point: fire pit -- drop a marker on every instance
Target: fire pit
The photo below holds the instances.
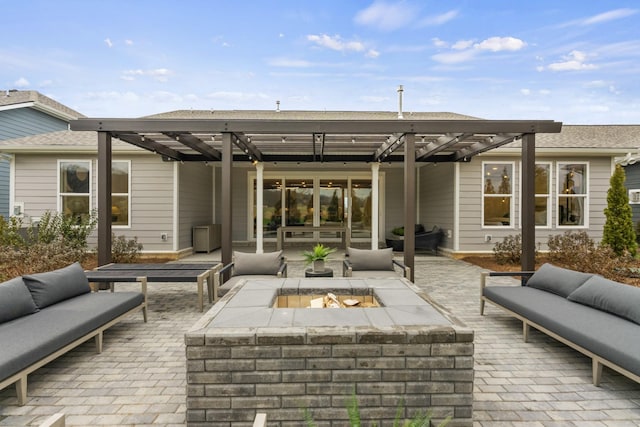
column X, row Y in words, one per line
column 259, row 349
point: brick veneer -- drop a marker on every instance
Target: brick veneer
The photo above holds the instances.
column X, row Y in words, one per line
column 234, row 372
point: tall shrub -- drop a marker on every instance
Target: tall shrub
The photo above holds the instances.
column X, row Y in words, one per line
column 618, row 230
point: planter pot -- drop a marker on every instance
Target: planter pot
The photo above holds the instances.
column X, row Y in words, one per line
column 318, row 266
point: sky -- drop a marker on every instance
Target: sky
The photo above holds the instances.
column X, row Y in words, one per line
column 573, row 61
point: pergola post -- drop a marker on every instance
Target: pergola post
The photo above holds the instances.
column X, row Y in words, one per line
column 227, row 226
column 528, row 261
column 104, row 192
column 409, row 202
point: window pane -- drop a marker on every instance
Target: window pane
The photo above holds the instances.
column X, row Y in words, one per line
column 74, row 177
column 361, row 208
column 120, row 210
column 542, row 179
column 497, row 210
column 76, row 206
column 272, row 207
column 541, row 210
column 498, row 178
column 572, row 179
column 120, row 177
column 299, row 204
column 332, row 199
column 571, row 210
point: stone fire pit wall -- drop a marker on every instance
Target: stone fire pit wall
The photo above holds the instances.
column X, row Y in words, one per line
column 244, row 356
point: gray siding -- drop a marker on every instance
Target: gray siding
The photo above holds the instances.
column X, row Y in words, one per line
column 436, row 198
column 472, row 232
column 15, row 124
column 195, row 200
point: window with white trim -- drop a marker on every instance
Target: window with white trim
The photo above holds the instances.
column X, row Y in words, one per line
column 497, row 194
column 543, row 194
column 120, row 189
column 572, row 194
column 74, row 190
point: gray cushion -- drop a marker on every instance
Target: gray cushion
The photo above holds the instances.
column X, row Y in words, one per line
column 370, row 259
column 604, row 334
column 612, row 297
column 36, row 336
column 15, row 300
column 57, row 285
column 558, row 280
column 249, row 263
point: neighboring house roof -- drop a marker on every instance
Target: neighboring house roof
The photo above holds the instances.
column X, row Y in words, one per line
column 60, row 141
column 12, row 99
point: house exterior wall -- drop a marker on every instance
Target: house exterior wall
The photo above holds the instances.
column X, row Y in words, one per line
column 436, row 199
column 195, row 200
column 471, row 230
column 17, row 123
column 394, row 200
column 632, row 182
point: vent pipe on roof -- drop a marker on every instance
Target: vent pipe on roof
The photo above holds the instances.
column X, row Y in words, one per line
column 400, row 90
column 277, row 106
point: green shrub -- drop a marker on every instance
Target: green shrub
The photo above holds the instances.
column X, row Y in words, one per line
column 509, row 251
column 123, row 250
column 74, row 231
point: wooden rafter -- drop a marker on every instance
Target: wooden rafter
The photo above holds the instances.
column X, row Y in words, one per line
column 196, row 144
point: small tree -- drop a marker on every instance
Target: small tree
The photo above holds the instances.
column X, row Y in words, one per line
column 618, row 230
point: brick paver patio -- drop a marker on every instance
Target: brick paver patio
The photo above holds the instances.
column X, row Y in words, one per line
column 139, row 379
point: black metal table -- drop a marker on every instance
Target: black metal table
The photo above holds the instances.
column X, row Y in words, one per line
column 167, row 272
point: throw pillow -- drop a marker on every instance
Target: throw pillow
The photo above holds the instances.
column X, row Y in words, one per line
column 57, row 285
column 15, row 300
column 558, row 280
column 612, row 297
column 370, row 259
column 248, row 263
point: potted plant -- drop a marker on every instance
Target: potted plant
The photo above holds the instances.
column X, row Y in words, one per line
column 317, row 256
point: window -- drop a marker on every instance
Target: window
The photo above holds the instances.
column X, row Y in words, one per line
column 120, row 193
column 74, row 187
column 543, row 192
column 572, row 194
column 497, row 194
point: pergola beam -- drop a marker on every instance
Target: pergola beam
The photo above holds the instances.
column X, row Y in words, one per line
column 150, row 145
column 196, row 144
column 393, row 143
column 490, row 143
column 440, row 144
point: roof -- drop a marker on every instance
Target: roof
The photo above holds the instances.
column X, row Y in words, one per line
column 315, row 136
column 58, row 141
column 10, row 99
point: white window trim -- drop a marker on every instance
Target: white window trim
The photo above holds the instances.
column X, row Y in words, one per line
column 512, row 202
column 585, row 196
column 128, row 194
column 60, row 194
column 550, row 209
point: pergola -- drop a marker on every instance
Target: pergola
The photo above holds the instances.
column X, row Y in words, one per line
column 409, row 141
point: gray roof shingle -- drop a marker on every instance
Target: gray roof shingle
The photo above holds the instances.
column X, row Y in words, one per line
column 16, row 97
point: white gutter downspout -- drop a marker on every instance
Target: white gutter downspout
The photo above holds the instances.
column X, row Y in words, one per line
column 375, row 204
column 259, row 207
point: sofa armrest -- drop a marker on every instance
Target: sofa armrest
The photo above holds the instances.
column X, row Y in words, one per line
column 406, row 271
column 282, row 271
column 347, row 270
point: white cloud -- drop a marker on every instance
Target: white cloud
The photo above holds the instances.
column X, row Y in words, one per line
column 128, row 42
column 372, row 53
column 386, row 16
column 21, row 82
column 336, row 43
column 465, row 50
column 108, row 42
column 159, row 74
column 574, row 61
column 525, row 92
column 439, row 43
column 544, row 92
column 609, row 16
column 439, row 19
column 497, row 44
column 462, row 44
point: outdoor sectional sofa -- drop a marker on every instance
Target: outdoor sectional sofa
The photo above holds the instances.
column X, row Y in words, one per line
column 268, row 265
column 45, row 315
column 593, row 315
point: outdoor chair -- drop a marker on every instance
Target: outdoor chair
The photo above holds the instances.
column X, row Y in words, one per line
column 430, row 240
column 372, row 264
column 245, row 265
